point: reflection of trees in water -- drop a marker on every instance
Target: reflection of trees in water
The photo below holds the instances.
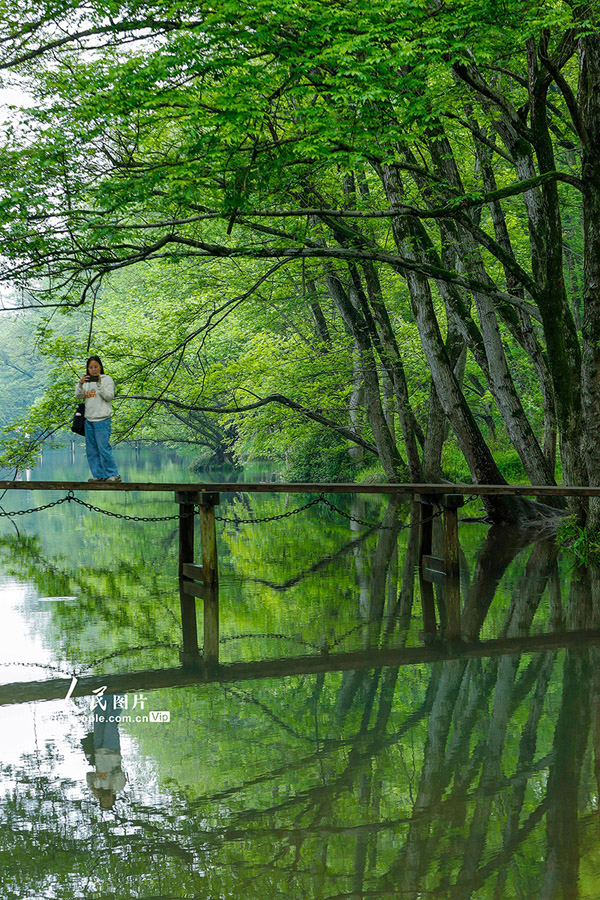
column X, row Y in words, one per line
column 464, row 779
column 570, row 742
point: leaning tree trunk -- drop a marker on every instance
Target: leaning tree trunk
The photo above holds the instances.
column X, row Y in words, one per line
column 479, row 458
column 589, row 98
column 499, row 377
column 564, row 353
column 519, row 321
column 356, row 402
column 545, row 233
column 437, row 422
column 392, row 360
column 393, row 465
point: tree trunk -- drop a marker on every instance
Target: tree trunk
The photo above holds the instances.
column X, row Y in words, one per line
column 589, row 96
column 476, row 452
column 393, row 465
column 517, row 320
column 437, row 423
column 545, row 234
column 317, row 313
column 392, row 360
column 499, row 377
column 356, row 402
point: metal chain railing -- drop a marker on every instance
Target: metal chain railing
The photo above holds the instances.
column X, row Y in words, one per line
column 285, row 515
column 24, row 512
column 71, row 498
column 352, row 518
column 115, row 515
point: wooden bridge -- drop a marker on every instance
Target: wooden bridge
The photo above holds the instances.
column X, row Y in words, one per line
column 200, row 581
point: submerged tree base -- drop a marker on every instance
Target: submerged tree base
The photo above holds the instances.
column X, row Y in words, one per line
column 522, row 512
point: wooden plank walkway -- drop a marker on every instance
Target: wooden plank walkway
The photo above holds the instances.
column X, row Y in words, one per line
column 295, row 487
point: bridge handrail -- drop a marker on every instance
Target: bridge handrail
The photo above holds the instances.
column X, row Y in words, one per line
column 295, row 487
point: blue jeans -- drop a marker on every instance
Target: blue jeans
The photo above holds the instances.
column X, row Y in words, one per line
column 106, row 734
column 97, row 447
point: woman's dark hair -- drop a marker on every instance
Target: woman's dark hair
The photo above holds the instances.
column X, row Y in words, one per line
column 94, row 359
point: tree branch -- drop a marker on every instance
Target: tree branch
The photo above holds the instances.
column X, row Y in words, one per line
column 247, row 407
column 114, row 28
column 399, row 263
column 471, row 76
column 459, row 203
column 569, row 98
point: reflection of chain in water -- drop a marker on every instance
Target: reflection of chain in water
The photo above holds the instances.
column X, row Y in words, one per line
column 353, row 630
column 325, row 647
column 126, row 651
column 33, row 665
column 318, row 648
column 176, row 647
column 278, row 637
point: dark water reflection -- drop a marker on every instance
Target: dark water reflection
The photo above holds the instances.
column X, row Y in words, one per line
column 474, row 777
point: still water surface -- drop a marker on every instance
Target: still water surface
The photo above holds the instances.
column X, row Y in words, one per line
column 467, row 778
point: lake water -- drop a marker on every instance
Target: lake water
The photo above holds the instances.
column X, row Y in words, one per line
column 467, row 778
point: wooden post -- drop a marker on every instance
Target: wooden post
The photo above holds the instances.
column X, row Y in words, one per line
column 426, row 588
column 451, row 504
column 210, row 571
column 189, row 628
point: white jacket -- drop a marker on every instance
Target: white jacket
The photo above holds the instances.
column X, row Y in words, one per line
column 97, row 396
column 108, row 774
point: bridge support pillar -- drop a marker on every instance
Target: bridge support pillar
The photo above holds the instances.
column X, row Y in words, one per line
column 210, row 571
column 189, row 627
column 425, row 585
column 451, row 503
column 198, row 581
column 444, row 571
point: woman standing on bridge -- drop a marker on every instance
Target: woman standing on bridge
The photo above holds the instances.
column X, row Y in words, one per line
column 98, row 390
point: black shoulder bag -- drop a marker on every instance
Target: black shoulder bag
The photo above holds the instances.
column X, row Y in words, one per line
column 78, row 426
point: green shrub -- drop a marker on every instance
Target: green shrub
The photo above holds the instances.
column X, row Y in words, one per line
column 323, row 457
column 577, row 540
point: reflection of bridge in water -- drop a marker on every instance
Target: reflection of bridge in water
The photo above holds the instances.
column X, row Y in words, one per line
column 282, row 667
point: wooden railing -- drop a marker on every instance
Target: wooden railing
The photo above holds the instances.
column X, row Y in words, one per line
column 299, row 487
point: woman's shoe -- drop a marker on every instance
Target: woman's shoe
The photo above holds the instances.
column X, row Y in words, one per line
column 96, row 479
column 115, row 479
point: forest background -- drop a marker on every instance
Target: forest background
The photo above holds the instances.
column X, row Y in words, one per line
column 360, row 240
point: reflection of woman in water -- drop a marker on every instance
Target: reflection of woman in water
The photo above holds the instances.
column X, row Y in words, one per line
column 108, row 778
